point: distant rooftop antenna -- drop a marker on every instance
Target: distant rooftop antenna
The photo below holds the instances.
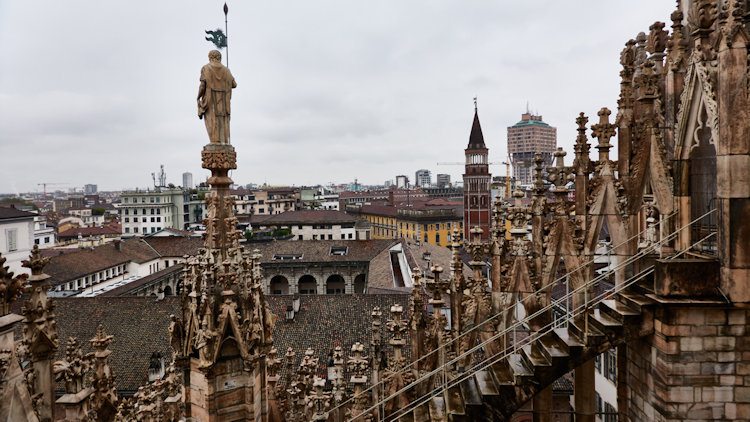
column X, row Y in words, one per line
column 475, row 103
column 527, row 108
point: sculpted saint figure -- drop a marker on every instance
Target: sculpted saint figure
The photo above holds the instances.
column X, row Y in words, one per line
column 214, row 96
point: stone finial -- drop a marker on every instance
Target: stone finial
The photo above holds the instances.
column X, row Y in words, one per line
column 539, row 188
column 36, row 261
column 582, row 162
column 732, row 18
column 627, row 59
column 657, row 38
column 319, row 400
column 273, row 363
column 11, row 287
column 702, row 16
column 640, row 50
column 603, row 131
column 647, row 82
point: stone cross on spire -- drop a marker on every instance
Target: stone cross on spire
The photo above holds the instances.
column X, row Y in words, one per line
column 603, row 131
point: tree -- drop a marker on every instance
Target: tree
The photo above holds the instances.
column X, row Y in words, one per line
column 98, row 211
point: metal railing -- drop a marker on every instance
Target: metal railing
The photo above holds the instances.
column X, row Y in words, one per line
column 590, row 301
column 414, row 365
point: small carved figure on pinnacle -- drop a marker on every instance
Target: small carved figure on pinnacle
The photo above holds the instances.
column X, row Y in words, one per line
column 214, row 98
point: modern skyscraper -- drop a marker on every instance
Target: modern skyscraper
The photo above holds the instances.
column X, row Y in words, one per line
column 402, row 182
column 525, row 139
column 187, row 180
column 477, row 197
column 423, row 178
column 90, row 189
column 443, row 180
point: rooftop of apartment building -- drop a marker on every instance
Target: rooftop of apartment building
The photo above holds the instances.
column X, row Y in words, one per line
column 308, row 217
column 528, row 119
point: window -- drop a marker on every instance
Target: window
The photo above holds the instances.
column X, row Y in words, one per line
column 610, row 414
column 338, row 250
column 135, row 229
column 127, row 211
column 153, row 211
column 12, row 238
column 437, row 238
column 153, row 229
column 158, row 219
column 425, row 238
column 135, row 211
column 287, row 257
column 127, row 229
column 127, row 220
column 330, row 237
column 350, row 235
column 153, row 220
column 610, row 365
column 36, row 241
column 343, row 236
column 299, row 237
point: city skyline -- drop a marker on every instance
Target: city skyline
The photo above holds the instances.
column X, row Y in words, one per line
column 105, row 93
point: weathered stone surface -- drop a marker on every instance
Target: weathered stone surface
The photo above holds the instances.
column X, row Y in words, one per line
column 686, row 278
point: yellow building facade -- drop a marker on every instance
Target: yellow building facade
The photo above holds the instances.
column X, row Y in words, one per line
column 434, row 226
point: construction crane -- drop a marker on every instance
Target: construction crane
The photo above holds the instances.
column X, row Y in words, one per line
column 44, row 185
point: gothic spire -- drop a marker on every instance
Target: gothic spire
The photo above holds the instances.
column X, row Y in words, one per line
column 476, row 139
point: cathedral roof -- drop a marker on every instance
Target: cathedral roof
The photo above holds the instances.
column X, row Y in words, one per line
column 476, row 139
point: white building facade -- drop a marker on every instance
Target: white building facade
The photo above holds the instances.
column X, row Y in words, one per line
column 16, row 238
column 146, row 212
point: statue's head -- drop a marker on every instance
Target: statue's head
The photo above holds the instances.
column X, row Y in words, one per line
column 214, row 56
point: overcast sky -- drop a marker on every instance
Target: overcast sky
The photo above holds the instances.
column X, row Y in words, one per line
column 328, row 91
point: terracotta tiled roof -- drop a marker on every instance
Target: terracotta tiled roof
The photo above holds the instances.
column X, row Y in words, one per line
column 176, row 232
column 309, row 217
column 380, row 272
column 127, row 288
column 69, row 266
column 325, row 321
column 384, row 210
column 88, row 231
column 139, row 325
column 12, row 212
column 175, row 246
column 319, row 250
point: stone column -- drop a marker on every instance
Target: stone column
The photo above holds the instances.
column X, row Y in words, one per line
column 543, row 406
column 584, row 397
column 733, row 155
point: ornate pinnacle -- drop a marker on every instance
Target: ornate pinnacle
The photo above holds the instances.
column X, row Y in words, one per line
column 11, row 287
column 657, row 38
column 36, row 261
column 559, row 175
column 538, row 175
column 603, row 131
column 581, row 140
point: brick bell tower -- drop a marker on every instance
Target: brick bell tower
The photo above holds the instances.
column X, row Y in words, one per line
column 477, row 178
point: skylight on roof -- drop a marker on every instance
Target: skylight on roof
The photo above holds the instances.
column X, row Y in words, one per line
column 287, row 257
column 339, row 250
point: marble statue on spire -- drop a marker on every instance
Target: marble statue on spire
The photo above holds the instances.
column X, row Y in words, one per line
column 214, row 97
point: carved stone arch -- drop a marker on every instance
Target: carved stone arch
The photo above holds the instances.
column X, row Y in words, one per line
column 698, row 110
